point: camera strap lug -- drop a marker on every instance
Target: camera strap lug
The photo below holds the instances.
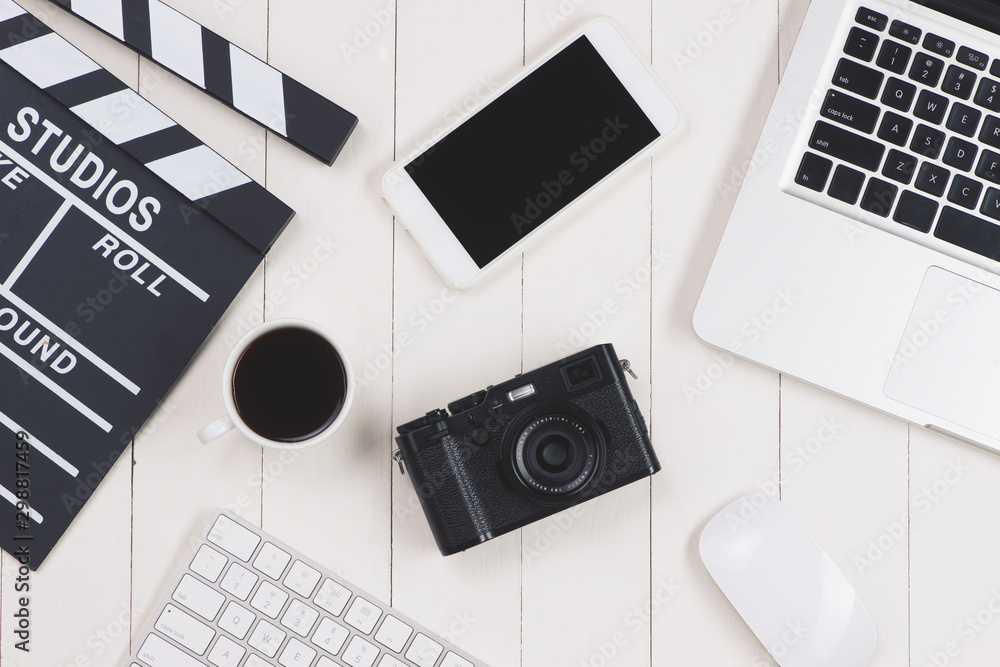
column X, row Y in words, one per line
column 627, row 367
column 397, row 456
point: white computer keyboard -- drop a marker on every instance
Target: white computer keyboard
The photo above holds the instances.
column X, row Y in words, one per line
column 246, row 600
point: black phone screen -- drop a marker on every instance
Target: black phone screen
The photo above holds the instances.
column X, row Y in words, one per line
column 524, row 157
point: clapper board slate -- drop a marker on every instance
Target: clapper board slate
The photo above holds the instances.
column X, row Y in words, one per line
column 110, row 281
column 240, row 80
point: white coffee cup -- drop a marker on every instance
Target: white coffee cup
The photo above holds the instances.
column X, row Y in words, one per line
column 233, row 419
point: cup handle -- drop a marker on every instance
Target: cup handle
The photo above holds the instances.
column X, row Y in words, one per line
column 215, row 429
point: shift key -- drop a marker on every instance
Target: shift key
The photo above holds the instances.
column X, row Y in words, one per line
column 850, row 111
column 846, row 146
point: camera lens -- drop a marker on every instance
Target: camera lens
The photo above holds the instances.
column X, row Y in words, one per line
column 555, row 452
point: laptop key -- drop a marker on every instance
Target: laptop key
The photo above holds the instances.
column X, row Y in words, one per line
column 927, row 141
column 905, row 32
column 930, row 107
column 857, row 78
column 846, row 184
column 850, row 111
column 861, row 44
column 926, row 69
column 895, row 128
column 894, row 56
column 959, row 82
column 932, row 179
column 988, row 94
column 969, row 231
column 972, row 58
column 846, row 146
column 989, row 166
column 871, row 19
column 813, row 172
column 878, row 197
column 939, row 45
column 898, row 94
column 899, row 166
column 915, row 211
column 965, row 192
column 990, row 134
column 960, row 154
column 991, row 204
column 963, row 119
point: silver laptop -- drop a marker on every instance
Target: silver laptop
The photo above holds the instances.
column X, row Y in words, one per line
column 862, row 252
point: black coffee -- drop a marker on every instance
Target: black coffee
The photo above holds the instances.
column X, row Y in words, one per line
column 289, row 385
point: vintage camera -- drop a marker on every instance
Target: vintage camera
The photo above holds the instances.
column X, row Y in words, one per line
column 522, row 450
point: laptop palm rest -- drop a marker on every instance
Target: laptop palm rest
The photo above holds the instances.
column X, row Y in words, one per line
column 948, row 360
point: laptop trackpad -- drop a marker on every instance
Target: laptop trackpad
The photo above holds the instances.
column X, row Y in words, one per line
column 948, row 361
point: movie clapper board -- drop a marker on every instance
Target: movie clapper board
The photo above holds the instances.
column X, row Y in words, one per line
column 240, row 80
column 110, row 277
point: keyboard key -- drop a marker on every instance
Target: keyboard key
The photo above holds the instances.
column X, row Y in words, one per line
column 226, row 653
column 995, row 68
column 939, row 45
column 899, row 166
column 233, row 538
column 959, row 82
column 271, row 560
column 389, row 661
column 393, row 634
column 299, row 618
column 269, row 599
column 898, row 94
column 361, row 653
column 963, row 120
column 846, row 184
column 266, row 638
column 452, row 660
column 861, row 44
column 989, row 166
column 198, row 597
column 424, row 651
column 330, row 636
column 857, row 78
column 333, row 597
column 990, row 134
column 932, row 179
column 988, row 94
column 302, row 579
column 895, row 128
column 926, row 69
column 237, row 620
column 850, row 111
column 873, row 20
column 813, row 172
column 208, row 563
column 972, row 58
column 960, row 154
column 894, row 56
column 927, row 141
column 991, row 204
column 363, row 615
column 185, row 629
column 257, row 661
column 970, row 232
column 905, row 32
column 965, row 192
column 915, row 211
column 846, row 146
column 157, row 651
column 297, row 654
column 239, row 581
column 878, row 197
column 930, row 107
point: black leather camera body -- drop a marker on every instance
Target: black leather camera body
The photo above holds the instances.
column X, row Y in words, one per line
column 525, row 449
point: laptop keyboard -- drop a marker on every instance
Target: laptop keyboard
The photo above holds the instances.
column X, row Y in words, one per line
column 246, row 600
column 907, row 134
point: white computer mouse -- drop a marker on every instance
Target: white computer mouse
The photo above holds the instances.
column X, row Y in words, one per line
column 786, row 588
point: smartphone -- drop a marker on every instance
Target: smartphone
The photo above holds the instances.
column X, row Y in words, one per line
column 486, row 185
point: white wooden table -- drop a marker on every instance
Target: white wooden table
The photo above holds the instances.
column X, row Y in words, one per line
column 618, row 582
